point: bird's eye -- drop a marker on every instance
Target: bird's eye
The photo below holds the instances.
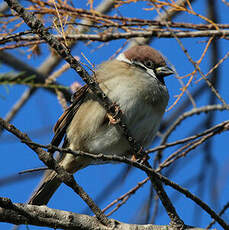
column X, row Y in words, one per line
column 149, row 64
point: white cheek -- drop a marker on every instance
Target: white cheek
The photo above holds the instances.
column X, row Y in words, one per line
column 122, row 57
column 151, row 73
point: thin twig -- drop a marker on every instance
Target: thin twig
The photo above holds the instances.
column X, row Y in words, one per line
column 226, row 206
column 190, row 113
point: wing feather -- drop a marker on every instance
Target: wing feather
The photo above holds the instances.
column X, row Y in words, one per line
column 66, row 118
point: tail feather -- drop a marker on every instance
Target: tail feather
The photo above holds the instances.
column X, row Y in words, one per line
column 45, row 189
column 50, row 183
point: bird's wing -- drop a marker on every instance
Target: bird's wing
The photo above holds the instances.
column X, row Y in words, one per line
column 66, row 118
column 51, row 182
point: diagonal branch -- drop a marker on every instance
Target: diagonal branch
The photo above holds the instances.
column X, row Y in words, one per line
column 63, row 175
column 47, row 66
column 195, row 111
column 38, row 28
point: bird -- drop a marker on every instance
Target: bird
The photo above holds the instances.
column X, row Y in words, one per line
column 134, row 80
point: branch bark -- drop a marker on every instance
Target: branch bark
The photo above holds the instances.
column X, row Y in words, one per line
column 106, row 36
column 16, row 213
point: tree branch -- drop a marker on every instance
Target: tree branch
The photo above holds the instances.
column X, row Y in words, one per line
column 69, row 180
column 16, row 213
column 107, row 36
column 62, row 174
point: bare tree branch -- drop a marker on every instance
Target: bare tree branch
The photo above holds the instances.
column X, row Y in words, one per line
column 105, row 37
column 43, row 216
column 63, row 175
column 69, row 180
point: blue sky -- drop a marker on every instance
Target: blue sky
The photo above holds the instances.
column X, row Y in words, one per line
column 41, row 112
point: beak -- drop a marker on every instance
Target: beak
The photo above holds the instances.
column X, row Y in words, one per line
column 164, row 71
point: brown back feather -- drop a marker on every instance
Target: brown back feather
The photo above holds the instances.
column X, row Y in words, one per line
column 66, row 118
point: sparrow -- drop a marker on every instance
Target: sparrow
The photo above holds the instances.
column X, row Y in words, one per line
column 135, row 82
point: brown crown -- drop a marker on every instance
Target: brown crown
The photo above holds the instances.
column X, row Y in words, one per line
column 143, row 52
